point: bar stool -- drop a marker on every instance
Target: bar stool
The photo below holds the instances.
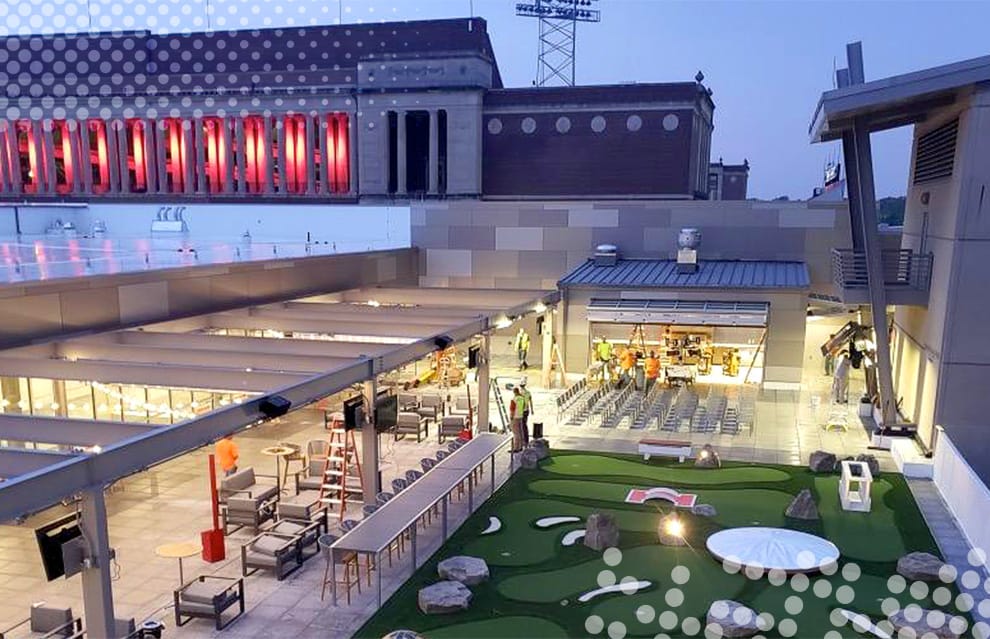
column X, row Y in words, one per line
column 347, row 526
column 427, row 463
column 348, row 562
column 399, row 484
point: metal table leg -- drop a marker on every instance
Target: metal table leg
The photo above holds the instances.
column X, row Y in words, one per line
column 444, row 508
column 493, row 473
column 378, row 569
column 333, row 577
column 470, row 494
column 413, row 541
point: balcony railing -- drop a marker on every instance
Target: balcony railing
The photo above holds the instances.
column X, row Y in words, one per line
column 906, row 275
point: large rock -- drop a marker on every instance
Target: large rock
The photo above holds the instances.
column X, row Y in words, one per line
column 919, row 566
column 529, row 458
column 601, row 532
column 803, row 506
column 871, row 462
column 821, row 461
column 671, row 529
column 707, row 458
column 921, row 625
column 403, row 634
column 444, row 597
column 733, row 618
column 704, row 510
column 469, row 571
column 541, row 446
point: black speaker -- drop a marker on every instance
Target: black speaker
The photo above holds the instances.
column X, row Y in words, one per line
column 443, row 341
column 274, row 406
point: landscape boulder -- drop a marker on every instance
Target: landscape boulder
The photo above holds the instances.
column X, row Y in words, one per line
column 935, row 627
column 469, row 571
column 670, row 531
column 403, row 634
column 919, row 566
column 444, row 597
column 704, row 510
column 871, row 462
column 821, row 461
column 529, row 458
column 541, row 446
column 707, row 458
column 601, row 532
column 733, row 618
column 803, row 506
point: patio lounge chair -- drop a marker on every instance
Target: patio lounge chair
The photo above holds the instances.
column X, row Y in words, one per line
column 310, row 477
column 208, row 597
column 246, row 502
column 280, row 553
column 411, row 424
column 46, row 621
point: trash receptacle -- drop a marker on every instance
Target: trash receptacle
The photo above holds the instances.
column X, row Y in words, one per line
column 538, row 430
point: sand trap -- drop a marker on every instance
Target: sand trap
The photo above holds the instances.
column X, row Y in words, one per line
column 494, row 525
column 549, row 522
column 627, row 588
column 572, row 537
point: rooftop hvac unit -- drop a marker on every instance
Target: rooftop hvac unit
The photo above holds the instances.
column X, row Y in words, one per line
column 606, row 255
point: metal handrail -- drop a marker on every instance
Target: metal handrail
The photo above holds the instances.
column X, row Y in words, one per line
column 901, row 268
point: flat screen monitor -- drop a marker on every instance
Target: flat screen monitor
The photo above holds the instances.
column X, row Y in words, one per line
column 386, row 411
column 473, row 353
column 353, row 412
column 51, row 538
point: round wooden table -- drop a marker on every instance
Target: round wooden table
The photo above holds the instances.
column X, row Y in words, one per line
column 278, row 452
column 179, row 550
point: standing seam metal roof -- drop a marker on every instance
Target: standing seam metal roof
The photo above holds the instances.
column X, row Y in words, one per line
column 735, row 274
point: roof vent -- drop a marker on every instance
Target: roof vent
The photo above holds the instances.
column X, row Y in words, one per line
column 606, row 255
column 688, row 241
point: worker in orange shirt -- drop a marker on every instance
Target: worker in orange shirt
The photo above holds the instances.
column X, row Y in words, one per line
column 627, row 362
column 227, row 455
column 652, row 370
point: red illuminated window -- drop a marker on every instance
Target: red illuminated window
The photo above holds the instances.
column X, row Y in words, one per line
column 294, row 171
column 97, row 157
column 176, row 156
column 63, row 141
column 30, row 160
column 255, row 158
column 214, row 153
column 137, row 160
column 334, row 161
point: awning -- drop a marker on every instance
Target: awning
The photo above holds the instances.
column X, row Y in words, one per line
column 679, row 312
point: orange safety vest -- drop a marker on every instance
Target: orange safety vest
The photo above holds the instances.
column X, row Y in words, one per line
column 227, row 454
column 652, row 367
column 628, row 359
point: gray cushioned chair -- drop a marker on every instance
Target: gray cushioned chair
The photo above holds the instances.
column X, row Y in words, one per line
column 279, row 553
column 209, row 597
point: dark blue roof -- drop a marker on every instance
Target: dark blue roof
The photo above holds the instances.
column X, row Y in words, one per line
column 729, row 274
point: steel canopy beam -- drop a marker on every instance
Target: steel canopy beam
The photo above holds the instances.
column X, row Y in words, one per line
column 259, row 345
column 20, row 461
column 273, row 321
column 41, row 487
column 67, row 432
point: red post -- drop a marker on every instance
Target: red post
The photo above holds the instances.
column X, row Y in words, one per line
column 213, row 542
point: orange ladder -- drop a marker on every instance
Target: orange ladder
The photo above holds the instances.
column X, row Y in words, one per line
column 342, row 478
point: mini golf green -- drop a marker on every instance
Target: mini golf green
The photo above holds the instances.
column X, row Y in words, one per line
column 536, row 581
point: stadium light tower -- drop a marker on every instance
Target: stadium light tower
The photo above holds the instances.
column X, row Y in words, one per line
column 558, row 31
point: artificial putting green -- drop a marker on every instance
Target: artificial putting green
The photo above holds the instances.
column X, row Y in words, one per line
column 535, row 581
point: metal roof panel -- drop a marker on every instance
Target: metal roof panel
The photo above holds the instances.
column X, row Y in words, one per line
column 726, row 274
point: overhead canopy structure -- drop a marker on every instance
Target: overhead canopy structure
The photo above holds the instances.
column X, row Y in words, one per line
column 679, row 312
column 711, row 274
column 185, row 354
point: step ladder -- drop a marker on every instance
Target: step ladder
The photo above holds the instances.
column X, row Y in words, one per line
column 503, row 414
column 342, row 479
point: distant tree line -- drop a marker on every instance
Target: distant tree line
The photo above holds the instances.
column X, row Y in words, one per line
column 890, row 210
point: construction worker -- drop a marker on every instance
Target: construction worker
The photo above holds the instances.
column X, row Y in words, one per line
column 603, row 349
column 840, row 380
column 829, row 359
column 732, row 369
column 227, row 455
column 516, row 408
column 626, row 363
column 652, row 370
column 522, row 348
column 527, row 410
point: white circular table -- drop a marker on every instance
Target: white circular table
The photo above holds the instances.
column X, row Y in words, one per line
column 773, row 549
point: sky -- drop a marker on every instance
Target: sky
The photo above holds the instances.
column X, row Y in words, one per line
column 767, row 62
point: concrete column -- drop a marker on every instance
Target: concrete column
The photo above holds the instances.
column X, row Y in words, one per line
column 15, row 158
column 269, row 169
column 400, row 150
column 369, row 444
column 10, row 389
column 5, row 179
column 484, row 385
column 161, row 133
column 97, row 588
column 310, row 156
column 85, row 161
column 352, row 154
column 189, row 167
column 113, row 155
column 228, row 156
column 434, row 157
column 546, row 353
column 199, row 142
column 125, row 176
column 59, row 397
column 72, row 129
column 283, row 182
column 325, row 159
column 48, row 144
column 150, row 161
column 241, row 155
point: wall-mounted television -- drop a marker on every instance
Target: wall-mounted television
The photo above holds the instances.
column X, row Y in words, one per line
column 353, row 412
column 386, row 411
column 58, row 541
